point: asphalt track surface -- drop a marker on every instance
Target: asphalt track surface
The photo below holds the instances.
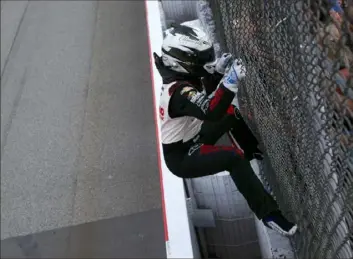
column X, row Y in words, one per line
column 79, row 171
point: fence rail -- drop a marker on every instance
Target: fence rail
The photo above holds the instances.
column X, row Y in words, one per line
column 298, row 99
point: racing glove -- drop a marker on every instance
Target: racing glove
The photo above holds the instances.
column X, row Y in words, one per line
column 223, row 62
column 233, row 75
column 219, row 65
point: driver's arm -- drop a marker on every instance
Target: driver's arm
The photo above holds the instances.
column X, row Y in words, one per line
column 187, row 101
column 211, row 82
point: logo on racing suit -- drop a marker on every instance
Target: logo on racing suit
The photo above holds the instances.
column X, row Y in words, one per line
column 187, row 89
column 204, row 106
column 189, row 92
column 200, row 100
column 192, row 96
column 232, row 77
column 161, row 113
column 195, row 97
column 194, row 148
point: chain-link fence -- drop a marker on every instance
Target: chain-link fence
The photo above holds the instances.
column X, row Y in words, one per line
column 298, row 99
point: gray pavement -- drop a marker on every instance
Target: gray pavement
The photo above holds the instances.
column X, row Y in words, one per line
column 134, row 236
column 77, row 130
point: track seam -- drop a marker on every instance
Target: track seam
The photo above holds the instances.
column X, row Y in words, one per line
column 14, row 39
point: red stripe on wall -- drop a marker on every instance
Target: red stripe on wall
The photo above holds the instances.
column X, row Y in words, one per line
column 157, row 132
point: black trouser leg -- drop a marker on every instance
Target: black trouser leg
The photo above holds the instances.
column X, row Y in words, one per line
column 212, row 131
column 204, row 160
column 244, row 137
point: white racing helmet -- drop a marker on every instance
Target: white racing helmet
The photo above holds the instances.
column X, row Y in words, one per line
column 187, row 49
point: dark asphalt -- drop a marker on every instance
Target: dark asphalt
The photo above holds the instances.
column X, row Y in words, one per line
column 79, row 172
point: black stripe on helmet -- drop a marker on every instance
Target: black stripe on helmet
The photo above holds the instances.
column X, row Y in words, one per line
column 183, row 30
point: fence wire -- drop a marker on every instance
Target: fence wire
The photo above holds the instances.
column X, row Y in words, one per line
column 298, row 99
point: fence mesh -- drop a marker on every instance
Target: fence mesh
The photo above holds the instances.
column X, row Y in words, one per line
column 298, row 99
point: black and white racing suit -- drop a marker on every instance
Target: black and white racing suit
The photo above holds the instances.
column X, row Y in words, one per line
column 191, row 123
